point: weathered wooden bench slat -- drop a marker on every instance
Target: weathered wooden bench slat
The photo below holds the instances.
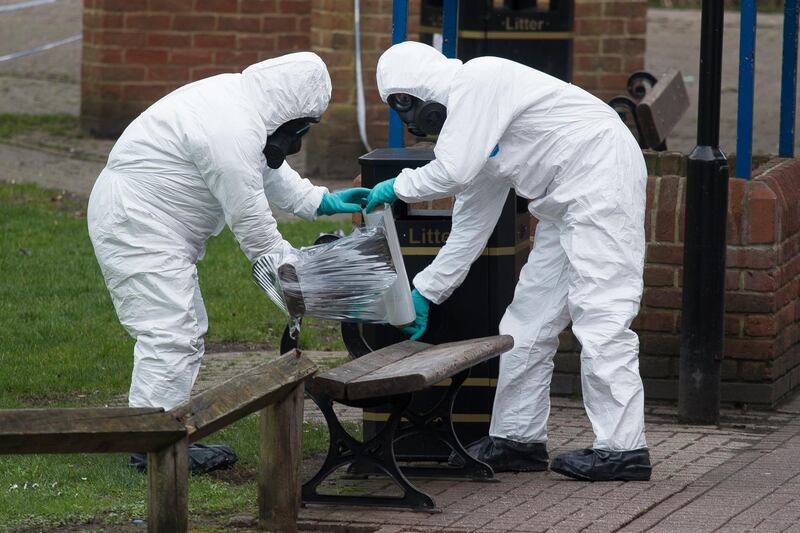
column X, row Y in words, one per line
column 426, row 367
column 244, row 394
column 87, row 430
column 333, row 383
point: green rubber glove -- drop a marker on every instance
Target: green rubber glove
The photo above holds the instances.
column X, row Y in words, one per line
column 421, row 306
column 383, row 193
column 344, row 201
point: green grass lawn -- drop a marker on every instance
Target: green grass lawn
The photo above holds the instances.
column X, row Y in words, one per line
column 12, row 124
column 62, row 345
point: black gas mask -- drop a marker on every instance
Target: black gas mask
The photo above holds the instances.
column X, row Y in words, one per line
column 286, row 140
column 422, row 118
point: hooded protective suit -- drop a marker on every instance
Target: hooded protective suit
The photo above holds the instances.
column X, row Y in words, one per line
column 188, row 165
column 571, row 155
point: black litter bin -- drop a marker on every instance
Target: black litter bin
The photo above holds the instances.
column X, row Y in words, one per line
column 537, row 33
column 474, row 309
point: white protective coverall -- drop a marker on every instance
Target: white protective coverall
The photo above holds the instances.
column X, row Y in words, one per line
column 188, row 165
column 584, row 174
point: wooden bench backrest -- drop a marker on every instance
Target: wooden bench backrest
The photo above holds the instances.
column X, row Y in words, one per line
column 124, row 429
column 100, row 430
column 662, row 107
column 406, row 367
column 243, row 394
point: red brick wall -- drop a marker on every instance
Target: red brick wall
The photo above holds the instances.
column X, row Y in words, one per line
column 337, row 144
column 762, row 346
column 135, row 51
column 334, row 142
column 609, row 44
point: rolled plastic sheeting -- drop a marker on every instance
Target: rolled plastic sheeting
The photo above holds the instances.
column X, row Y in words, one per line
column 399, row 307
column 353, row 279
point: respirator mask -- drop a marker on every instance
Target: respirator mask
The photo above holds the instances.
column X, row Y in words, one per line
column 286, row 140
column 422, row 118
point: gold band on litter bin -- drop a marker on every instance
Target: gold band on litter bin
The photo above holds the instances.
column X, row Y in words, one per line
column 505, row 35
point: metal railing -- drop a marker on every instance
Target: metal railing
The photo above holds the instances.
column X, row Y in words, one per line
column 788, row 79
column 747, row 51
column 399, row 34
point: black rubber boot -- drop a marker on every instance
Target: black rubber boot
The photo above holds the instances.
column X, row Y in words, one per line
column 203, row 458
column 604, row 465
column 505, row 455
column 138, row 461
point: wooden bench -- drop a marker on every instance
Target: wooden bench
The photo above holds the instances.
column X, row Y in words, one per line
column 655, row 105
column 275, row 388
column 390, row 377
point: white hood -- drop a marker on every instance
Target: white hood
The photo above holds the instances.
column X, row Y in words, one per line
column 288, row 87
column 416, row 69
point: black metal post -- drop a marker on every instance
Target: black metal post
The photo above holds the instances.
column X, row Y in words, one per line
column 702, row 321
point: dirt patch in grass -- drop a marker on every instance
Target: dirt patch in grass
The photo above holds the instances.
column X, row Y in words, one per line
column 226, row 347
column 69, row 203
column 234, row 476
column 56, row 399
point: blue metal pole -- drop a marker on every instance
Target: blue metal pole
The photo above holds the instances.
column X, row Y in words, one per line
column 399, row 32
column 788, row 79
column 744, row 117
column 450, row 28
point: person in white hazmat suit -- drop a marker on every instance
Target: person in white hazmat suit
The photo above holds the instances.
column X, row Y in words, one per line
column 208, row 154
column 505, row 126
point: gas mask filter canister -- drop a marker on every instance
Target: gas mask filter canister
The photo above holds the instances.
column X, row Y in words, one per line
column 286, row 140
column 423, row 118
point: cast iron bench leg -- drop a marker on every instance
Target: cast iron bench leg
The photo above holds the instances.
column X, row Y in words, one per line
column 437, row 423
column 377, row 452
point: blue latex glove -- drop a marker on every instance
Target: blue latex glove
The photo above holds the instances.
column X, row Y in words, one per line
column 421, row 306
column 383, row 193
column 344, row 201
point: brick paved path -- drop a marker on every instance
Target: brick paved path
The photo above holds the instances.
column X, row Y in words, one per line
column 757, row 490
column 684, row 457
column 741, row 476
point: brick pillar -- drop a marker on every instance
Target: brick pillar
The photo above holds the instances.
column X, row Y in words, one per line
column 761, row 362
column 336, row 145
column 136, row 51
column 609, row 44
column 333, row 145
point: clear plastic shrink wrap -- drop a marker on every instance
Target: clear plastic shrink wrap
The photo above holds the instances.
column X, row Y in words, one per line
column 354, row 278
